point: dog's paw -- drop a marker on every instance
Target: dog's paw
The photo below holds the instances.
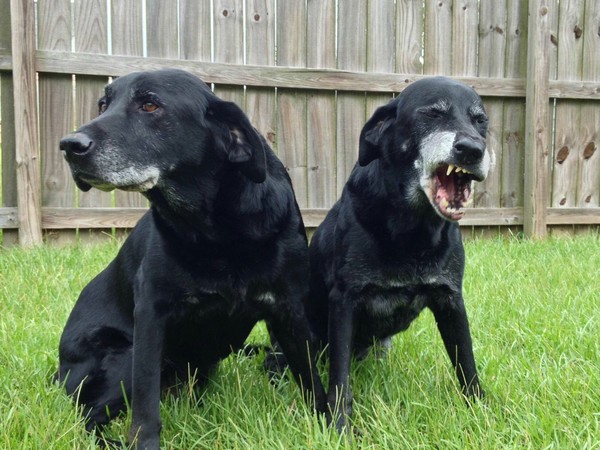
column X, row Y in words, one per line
column 473, row 393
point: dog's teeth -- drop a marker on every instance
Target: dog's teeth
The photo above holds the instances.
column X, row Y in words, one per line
column 444, row 203
column 458, row 169
column 450, row 169
column 467, row 171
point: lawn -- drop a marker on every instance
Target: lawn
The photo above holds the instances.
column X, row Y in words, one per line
column 534, row 309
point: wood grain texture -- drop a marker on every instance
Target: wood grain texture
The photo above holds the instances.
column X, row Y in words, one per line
column 90, row 35
column 568, row 140
column 26, row 126
column 127, row 38
column 291, row 104
column 351, row 108
column 229, row 44
column 536, row 122
column 321, row 108
column 55, row 104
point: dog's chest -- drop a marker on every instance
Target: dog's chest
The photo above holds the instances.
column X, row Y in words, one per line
column 390, row 304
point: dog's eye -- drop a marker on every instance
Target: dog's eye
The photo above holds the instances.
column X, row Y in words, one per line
column 149, row 106
column 102, row 107
column 481, row 119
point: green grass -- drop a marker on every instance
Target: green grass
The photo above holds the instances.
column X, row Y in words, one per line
column 535, row 315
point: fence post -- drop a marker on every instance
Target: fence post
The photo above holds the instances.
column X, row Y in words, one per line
column 536, row 121
column 26, row 123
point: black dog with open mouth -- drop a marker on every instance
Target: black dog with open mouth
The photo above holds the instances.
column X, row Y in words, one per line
column 391, row 246
column 222, row 246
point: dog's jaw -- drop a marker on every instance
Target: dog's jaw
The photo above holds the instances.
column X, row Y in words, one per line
column 447, row 185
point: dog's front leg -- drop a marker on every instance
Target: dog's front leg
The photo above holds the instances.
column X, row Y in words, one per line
column 453, row 325
column 341, row 335
column 148, row 341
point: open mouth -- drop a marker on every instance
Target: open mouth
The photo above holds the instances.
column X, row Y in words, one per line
column 452, row 190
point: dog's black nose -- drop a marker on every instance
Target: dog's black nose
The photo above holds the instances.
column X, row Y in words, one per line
column 76, row 144
column 469, row 150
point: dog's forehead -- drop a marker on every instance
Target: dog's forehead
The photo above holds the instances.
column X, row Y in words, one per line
column 167, row 81
column 441, row 92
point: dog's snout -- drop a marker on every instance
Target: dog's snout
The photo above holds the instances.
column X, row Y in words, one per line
column 76, row 144
column 469, row 150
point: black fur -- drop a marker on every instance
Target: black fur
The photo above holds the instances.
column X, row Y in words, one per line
column 222, row 246
column 387, row 249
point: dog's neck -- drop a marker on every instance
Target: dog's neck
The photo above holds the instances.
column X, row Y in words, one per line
column 226, row 207
column 380, row 203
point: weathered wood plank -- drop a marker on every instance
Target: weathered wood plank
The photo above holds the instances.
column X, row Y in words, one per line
column 568, row 140
column 162, row 28
column 55, row 103
column 7, row 119
column 122, row 218
column 260, row 49
column 351, row 109
column 492, row 47
column 26, row 125
column 381, row 56
column 291, row 104
column 464, row 37
column 409, row 33
column 438, row 41
column 536, row 122
column 288, row 77
column 127, row 38
column 90, row 35
column 513, row 140
column 321, row 108
column 194, row 34
column 229, row 44
column 588, row 189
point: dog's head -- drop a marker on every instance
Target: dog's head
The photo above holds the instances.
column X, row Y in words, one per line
column 433, row 136
column 152, row 124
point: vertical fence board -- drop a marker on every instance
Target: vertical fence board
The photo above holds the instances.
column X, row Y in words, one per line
column 29, row 207
column 194, row 30
column 8, row 190
column 90, row 29
column 438, row 37
column 55, row 103
column 513, row 143
column 351, row 109
column 321, row 107
column 464, row 37
column 127, row 38
column 536, row 121
column 161, row 28
column 409, row 36
column 260, row 50
column 381, row 43
column 229, row 43
column 588, row 188
column 492, row 50
column 291, row 104
column 568, row 140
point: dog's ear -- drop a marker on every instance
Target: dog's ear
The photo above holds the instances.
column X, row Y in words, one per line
column 369, row 147
column 240, row 141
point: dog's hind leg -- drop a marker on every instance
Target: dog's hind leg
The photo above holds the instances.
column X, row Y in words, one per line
column 292, row 335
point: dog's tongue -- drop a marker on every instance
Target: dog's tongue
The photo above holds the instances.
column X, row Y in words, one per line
column 452, row 192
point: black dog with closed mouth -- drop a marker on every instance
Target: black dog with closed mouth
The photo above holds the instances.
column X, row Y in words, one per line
column 391, row 246
column 222, row 247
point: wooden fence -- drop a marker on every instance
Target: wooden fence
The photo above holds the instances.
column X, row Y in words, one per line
column 309, row 73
